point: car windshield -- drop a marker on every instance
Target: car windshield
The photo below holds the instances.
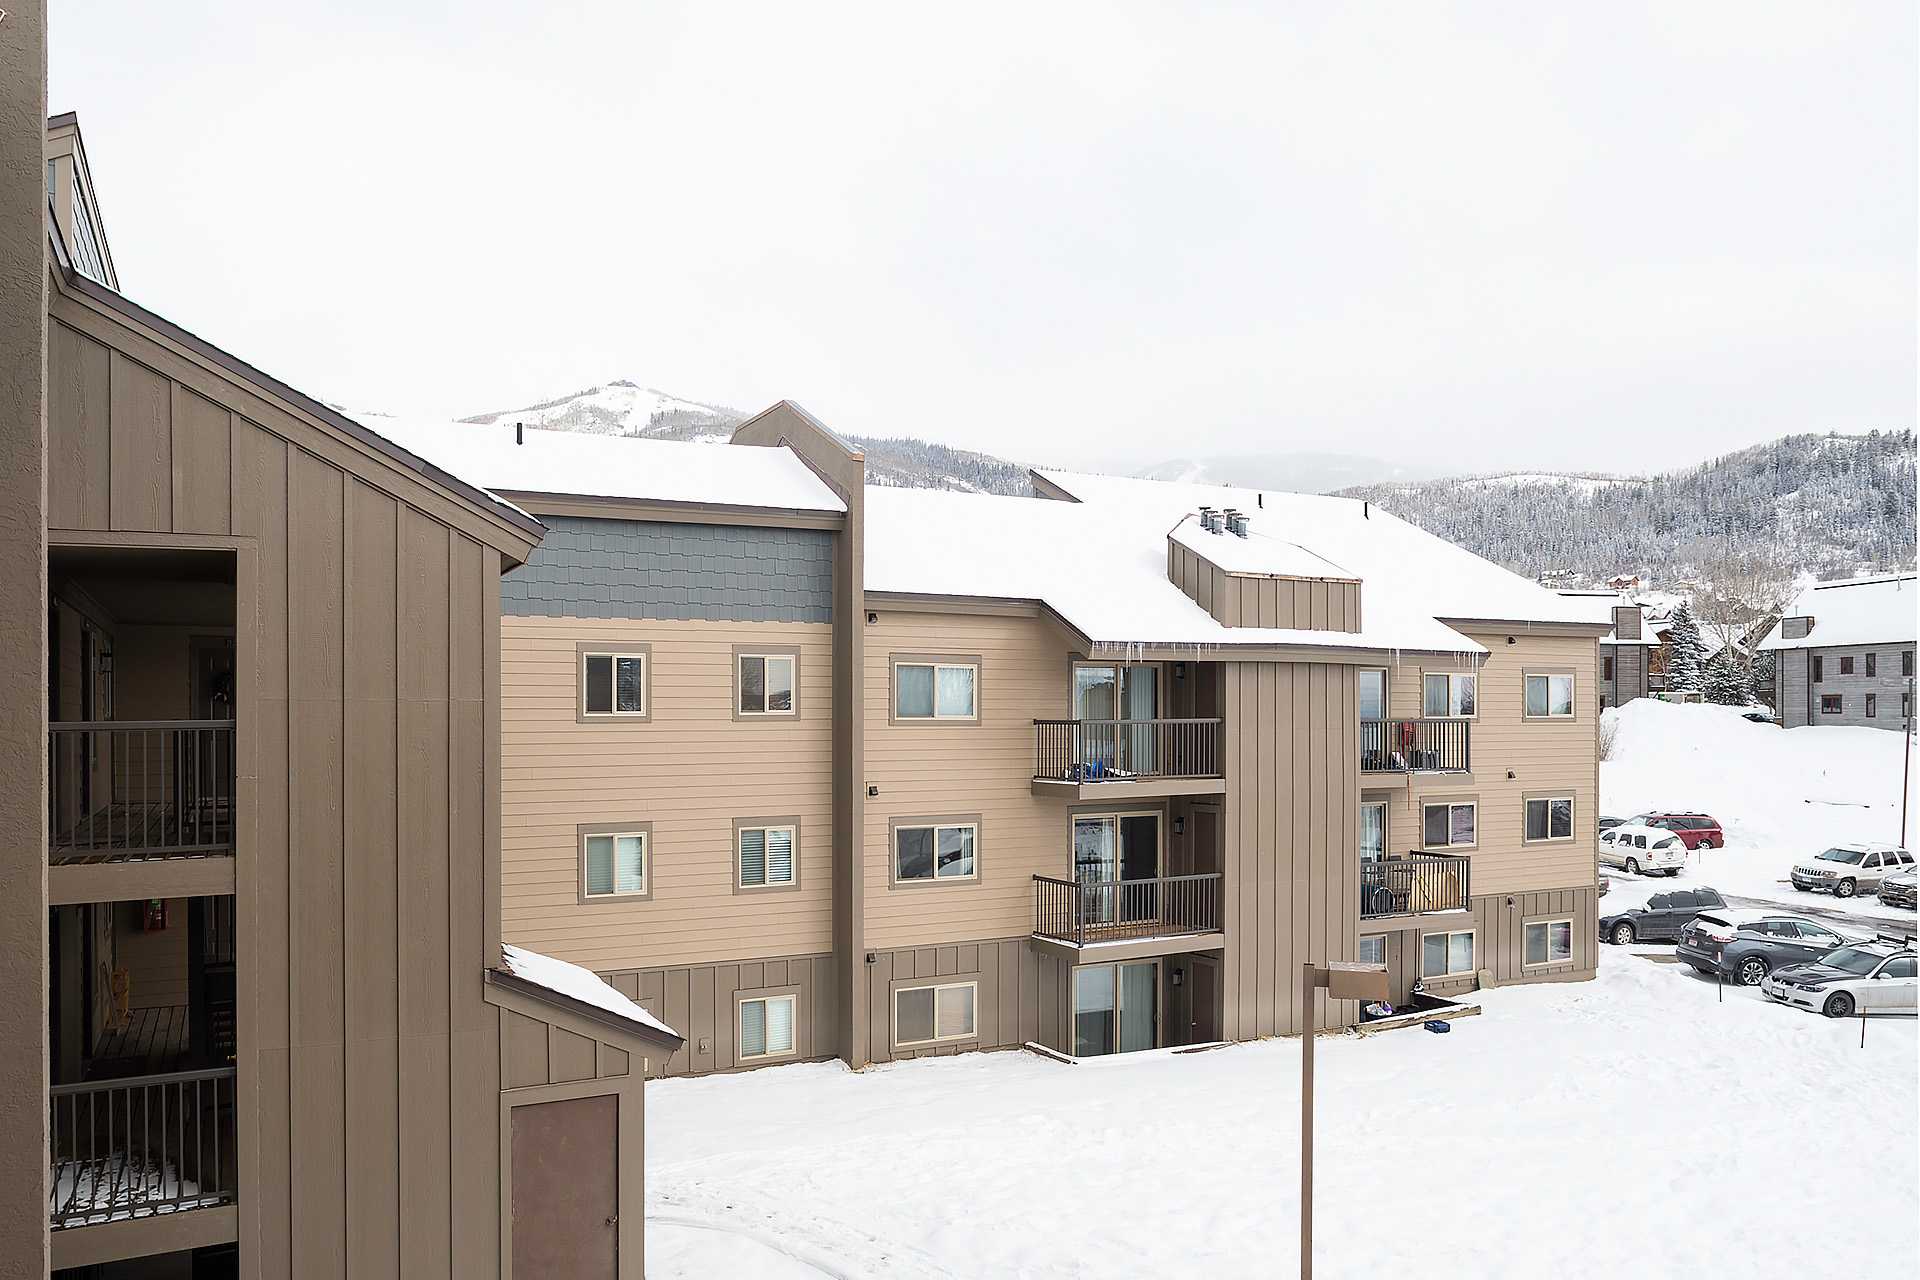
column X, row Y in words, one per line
column 1852, row 959
column 1843, row 855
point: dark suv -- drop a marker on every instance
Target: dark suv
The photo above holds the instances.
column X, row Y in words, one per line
column 1662, row 919
column 1748, row 945
column 1696, row 830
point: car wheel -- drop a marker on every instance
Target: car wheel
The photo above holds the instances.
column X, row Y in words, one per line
column 1633, row 866
column 1753, row 970
column 1623, row 933
column 1845, row 889
column 1838, row 1005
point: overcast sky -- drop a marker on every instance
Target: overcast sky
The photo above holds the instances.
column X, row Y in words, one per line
column 1608, row 235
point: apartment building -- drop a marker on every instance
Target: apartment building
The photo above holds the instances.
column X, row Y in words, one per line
column 1844, row 653
column 1627, row 650
column 812, row 768
column 260, row 1018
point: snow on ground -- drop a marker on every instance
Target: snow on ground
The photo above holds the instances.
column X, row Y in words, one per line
column 1636, row 1122
column 1780, row 795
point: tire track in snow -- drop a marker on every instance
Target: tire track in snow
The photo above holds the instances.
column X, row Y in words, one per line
column 830, row 1247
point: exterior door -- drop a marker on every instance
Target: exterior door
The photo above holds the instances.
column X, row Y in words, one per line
column 1203, row 1000
column 1116, row 1008
column 566, row 1188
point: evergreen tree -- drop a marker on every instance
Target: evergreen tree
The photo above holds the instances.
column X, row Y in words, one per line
column 1729, row 683
column 1686, row 651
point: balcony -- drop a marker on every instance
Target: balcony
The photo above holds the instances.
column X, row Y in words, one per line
column 1414, row 884
column 1085, row 913
column 1093, row 759
column 139, row 1147
column 1416, row 746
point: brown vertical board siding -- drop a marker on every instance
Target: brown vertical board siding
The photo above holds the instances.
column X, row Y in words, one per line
column 77, row 432
column 370, row 884
column 202, row 454
column 139, row 447
column 315, row 552
column 523, row 1051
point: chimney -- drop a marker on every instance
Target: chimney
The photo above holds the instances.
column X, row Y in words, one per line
column 1626, row 621
column 518, row 437
column 1236, row 522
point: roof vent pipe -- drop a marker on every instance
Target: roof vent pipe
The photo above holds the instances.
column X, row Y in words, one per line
column 518, row 437
column 1210, row 520
column 1237, row 523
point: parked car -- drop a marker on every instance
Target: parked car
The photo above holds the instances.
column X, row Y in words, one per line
column 1868, row 977
column 1696, row 830
column 1609, row 823
column 1748, row 945
column 1846, row 869
column 1635, row 849
column 1662, row 919
column 1760, row 715
column 1897, row 890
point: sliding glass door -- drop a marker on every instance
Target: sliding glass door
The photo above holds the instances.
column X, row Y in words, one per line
column 1114, row 695
column 1109, row 848
column 1116, row 1008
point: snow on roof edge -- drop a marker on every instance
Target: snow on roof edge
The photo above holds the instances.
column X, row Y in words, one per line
column 578, row 984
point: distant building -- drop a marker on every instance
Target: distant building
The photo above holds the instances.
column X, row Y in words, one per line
column 1625, row 652
column 1625, row 582
column 1844, row 653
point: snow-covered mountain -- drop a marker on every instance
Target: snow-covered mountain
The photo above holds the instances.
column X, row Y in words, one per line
column 1293, row 472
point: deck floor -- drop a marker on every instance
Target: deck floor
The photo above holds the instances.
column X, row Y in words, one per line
column 128, row 831
column 153, row 1042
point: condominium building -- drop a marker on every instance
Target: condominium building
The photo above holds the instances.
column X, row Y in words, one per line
column 1844, row 653
column 813, row 768
column 259, row 1017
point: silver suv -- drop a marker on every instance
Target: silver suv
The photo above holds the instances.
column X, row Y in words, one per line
column 1846, row 869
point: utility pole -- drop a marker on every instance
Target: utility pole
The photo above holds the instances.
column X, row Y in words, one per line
column 1906, row 763
column 1343, row 980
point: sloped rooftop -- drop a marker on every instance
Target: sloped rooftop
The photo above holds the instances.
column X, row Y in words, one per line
column 1871, row 610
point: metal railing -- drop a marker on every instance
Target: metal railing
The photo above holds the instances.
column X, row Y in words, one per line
column 139, row 1146
column 1083, row 911
column 1416, row 746
column 131, row 789
column 1411, row 884
column 1117, row 750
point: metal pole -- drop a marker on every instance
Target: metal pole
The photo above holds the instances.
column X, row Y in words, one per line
column 1906, row 764
column 1307, row 985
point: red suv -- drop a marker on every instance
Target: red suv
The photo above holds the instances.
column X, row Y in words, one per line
column 1696, row 830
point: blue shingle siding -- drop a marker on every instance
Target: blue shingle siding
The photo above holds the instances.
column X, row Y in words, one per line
column 679, row 572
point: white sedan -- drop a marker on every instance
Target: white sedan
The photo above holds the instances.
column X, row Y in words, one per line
column 1635, row 849
column 1868, row 977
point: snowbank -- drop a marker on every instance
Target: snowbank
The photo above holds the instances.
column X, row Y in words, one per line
column 1780, row 794
column 1574, row 1163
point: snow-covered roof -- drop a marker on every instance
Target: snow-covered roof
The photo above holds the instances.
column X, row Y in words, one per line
column 576, row 983
column 602, row 466
column 1872, row 610
column 1258, row 553
column 1599, row 606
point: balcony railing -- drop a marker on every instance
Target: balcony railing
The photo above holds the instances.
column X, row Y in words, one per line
column 141, row 1146
column 1414, row 883
column 1416, row 746
column 1084, row 911
column 122, row 790
column 1120, row 750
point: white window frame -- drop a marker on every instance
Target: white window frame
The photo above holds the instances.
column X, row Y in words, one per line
column 739, row 1007
column 1526, row 836
column 936, row 668
column 644, row 836
column 766, row 659
column 1450, row 677
column 1450, row 935
column 1450, row 806
column 793, row 861
column 972, row 1033
column 936, row 828
column 617, row 656
column 1547, row 924
column 1573, row 692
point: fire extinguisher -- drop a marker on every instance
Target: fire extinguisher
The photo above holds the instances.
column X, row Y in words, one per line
column 154, row 918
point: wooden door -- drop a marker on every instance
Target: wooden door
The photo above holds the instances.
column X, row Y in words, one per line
column 566, row 1188
column 1203, row 1001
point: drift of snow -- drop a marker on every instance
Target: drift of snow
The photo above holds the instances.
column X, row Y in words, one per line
column 574, row 982
column 1780, row 795
column 1551, row 1135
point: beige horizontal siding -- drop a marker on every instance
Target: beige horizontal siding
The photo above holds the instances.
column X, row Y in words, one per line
column 689, row 770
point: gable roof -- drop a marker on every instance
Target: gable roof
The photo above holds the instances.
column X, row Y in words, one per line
column 580, row 991
column 1879, row 609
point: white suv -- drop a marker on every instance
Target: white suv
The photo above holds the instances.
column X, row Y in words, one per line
column 1847, row 869
column 1867, row 977
column 1635, row 849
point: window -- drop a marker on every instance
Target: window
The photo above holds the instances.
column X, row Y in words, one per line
column 1445, row 955
column 766, row 1027
column 934, row 690
column 1548, row 942
column 1899, row 967
column 1550, row 818
column 1443, row 825
column 1873, row 664
column 1449, row 695
column 1373, row 830
column 1606, row 668
column 766, row 856
column 1549, row 697
column 935, row 851
column 1819, row 668
column 929, row 1015
column 1846, row 665
column 1906, row 705
column 766, row 682
column 613, row 863
column 1373, row 693
column 1873, row 704
column 1373, row 950
column 1829, row 704
column 613, row 684
column 1906, row 662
